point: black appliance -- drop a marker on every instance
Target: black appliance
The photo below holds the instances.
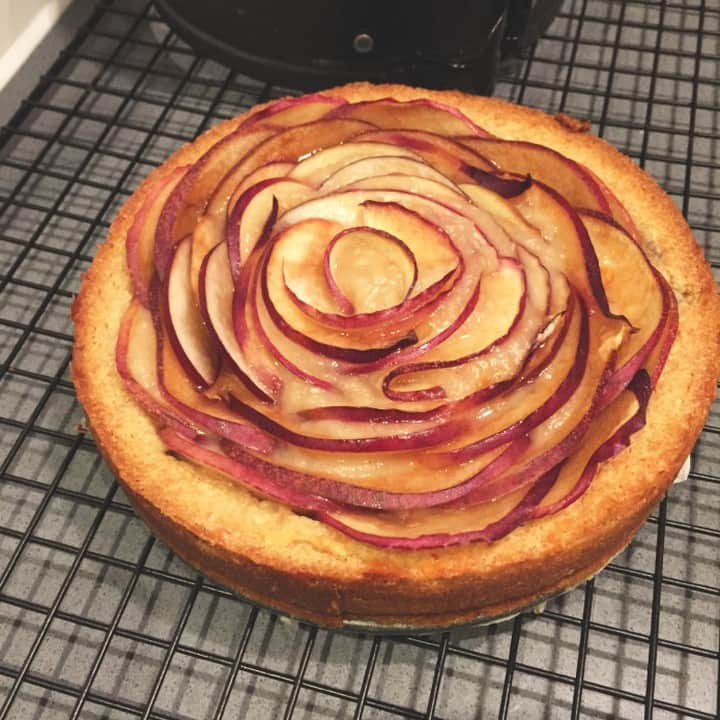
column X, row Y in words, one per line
column 310, row 44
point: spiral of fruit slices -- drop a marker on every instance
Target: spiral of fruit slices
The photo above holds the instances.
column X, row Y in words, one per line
column 386, row 318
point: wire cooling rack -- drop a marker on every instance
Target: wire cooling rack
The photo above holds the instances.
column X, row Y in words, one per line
column 100, row 620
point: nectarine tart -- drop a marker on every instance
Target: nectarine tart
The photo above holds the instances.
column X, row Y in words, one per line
column 391, row 356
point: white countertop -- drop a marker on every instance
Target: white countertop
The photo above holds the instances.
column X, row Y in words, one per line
column 32, row 33
column 22, row 26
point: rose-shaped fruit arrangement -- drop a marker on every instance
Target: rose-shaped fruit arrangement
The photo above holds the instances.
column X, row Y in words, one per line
column 381, row 315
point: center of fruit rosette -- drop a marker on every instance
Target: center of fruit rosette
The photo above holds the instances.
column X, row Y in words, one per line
column 381, row 316
column 369, row 270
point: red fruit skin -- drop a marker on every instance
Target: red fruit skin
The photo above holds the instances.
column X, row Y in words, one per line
column 140, row 241
column 251, row 437
column 189, row 198
column 355, row 496
column 347, row 354
column 153, row 406
column 204, row 452
column 389, row 103
column 174, row 335
column 544, row 164
column 641, row 387
column 267, row 113
column 424, row 438
column 516, row 517
column 271, row 382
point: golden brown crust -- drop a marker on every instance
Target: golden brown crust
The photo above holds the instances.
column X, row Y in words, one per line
column 305, row 568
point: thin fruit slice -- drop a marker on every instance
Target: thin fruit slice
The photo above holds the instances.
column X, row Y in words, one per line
column 635, row 290
column 190, row 196
column 210, row 228
column 252, row 218
column 187, row 331
column 294, row 111
column 304, row 331
column 452, row 159
column 558, row 436
column 217, row 292
column 391, row 114
column 209, row 454
column 369, row 270
column 140, row 244
column 566, row 176
column 609, row 434
column 441, row 527
column 317, row 168
column 433, row 492
column 371, row 167
column 500, row 304
column 136, row 362
column 210, row 414
column 303, row 140
column 424, row 438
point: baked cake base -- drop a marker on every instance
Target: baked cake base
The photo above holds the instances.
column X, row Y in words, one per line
column 299, row 566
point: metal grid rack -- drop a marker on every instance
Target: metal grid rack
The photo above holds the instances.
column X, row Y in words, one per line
column 99, row 620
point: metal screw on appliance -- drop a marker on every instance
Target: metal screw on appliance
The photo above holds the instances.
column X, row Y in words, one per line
column 363, row 43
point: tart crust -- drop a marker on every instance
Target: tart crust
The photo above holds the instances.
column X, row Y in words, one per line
column 303, row 567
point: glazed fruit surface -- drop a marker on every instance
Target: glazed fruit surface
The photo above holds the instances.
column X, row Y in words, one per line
column 382, row 315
